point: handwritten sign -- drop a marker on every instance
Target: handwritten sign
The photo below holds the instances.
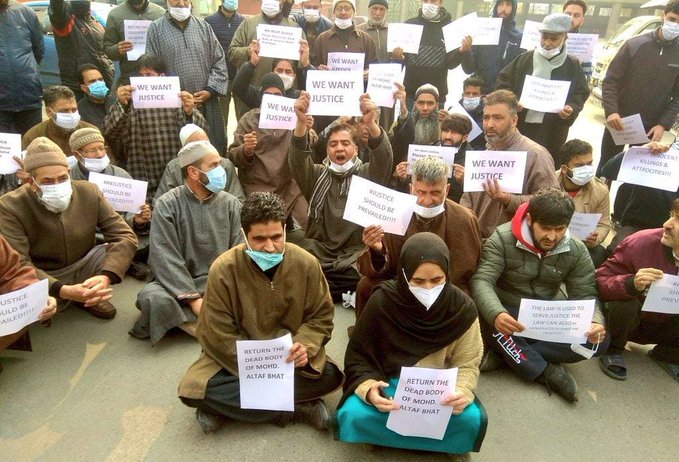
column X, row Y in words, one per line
column 124, row 194
column 10, row 146
column 532, row 35
column 559, row 321
column 663, row 296
column 266, row 380
column 371, row 204
column 346, row 61
column 633, row 131
column 334, row 92
column 381, row 78
column 456, row 31
column 279, row 41
column 155, row 92
column 487, row 31
column 406, row 36
column 584, row 224
column 419, row 151
column 135, row 32
column 582, row 46
column 419, row 394
column 507, row 167
column 660, row 171
column 22, row 307
column 457, row 108
column 277, row 112
column 544, row 95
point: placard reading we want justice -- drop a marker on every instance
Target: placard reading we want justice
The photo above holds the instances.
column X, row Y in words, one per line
column 507, row 167
column 22, row 307
column 155, row 92
column 277, row 112
column 334, row 93
column 124, row 194
column 559, row 321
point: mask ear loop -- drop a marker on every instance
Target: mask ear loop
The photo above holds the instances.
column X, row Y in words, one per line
column 245, row 238
column 598, row 341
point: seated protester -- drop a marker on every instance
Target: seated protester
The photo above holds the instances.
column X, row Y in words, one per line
column 62, row 118
column 456, row 225
column 261, row 156
column 336, row 242
column 320, row 148
column 589, row 193
column 52, row 221
column 531, row 257
column 623, row 280
column 87, row 146
column 494, row 206
column 15, row 276
column 259, row 291
column 150, row 136
column 416, row 319
column 92, row 106
column 172, row 176
column 472, row 102
column 185, row 219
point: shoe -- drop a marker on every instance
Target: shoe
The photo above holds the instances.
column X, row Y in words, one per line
column 460, row 457
column 102, row 310
column 613, row 365
column 672, row 369
column 208, row 422
column 490, row 362
column 314, row 413
column 139, row 271
column 558, row 380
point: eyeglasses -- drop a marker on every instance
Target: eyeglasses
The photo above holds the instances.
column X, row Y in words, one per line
column 343, row 8
column 97, row 150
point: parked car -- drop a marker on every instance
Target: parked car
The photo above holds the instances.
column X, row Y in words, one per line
column 631, row 28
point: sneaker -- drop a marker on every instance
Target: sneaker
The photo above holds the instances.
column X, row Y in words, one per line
column 208, row 422
column 102, row 310
column 555, row 378
column 314, row 413
column 139, row 271
column 490, row 362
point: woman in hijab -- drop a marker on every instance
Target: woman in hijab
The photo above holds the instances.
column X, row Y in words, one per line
column 418, row 319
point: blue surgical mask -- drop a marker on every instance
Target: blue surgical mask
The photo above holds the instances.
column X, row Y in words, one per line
column 216, row 179
column 230, row 5
column 98, row 89
column 264, row 260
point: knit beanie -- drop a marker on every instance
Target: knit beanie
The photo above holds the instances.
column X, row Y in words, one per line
column 336, row 2
column 194, row 151
column 83, row 137
column 41, row 152
column 384, row 3
column 271, row 79
column 428, row 88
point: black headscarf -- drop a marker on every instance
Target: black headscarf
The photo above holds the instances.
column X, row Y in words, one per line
column 395, row 329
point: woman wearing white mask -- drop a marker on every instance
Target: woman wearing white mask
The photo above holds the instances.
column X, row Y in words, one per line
column 418, row 319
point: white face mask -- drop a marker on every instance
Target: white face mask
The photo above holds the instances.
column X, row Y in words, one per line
column 429, row 212
column 343, row 23
column 426, row 297
column 271, row 8
column 429, row 10
column 549, row 54
column 288, row 80
column 471, row 103
column 312, row 16
column 337, row 168
column 670, row 30
column 180, row 14
column 56, row 197
column 95, row 165
column 582, row 175
column 67, row 120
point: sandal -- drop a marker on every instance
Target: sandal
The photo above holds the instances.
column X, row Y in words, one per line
column 613, row 365
column 672, row 369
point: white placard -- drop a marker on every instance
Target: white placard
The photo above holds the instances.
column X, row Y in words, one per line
column 334, row 93
column 663, row 296
column 660, row 171
column 486, row 31
column 582, row 46
column 544, row 95
column 381, row 78
column 266, row 380
column 559, row 321
column 371, row 204
column 418, row 151
column 22, row 307
column 406, row 36
column 10, row 146
column 584, row 224
column 419, row 394
column 124, row 194
column 508, row 167
column 279, row 41
column 277, row 112
column 457, row 108
column 155, row 92
column 531, row 36
column 456, row 31
column 346, row 61
column 135, row 32
column 632, row 133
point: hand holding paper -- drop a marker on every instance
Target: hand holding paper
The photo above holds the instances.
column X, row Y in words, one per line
column 506, row 324
column 379, row 399
column 253, row 52
column 458, row 401
column 372, row 237
column 298, row 355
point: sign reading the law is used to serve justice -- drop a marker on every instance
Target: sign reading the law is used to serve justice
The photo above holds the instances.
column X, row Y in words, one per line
column 124, row 194
column 278, row 41
column 10, row 146
column 663, row 296
column 531, row 35
column 660, row 171
column 507, row 167
column 544, row 95
column 335, row 92
column 22, row 307
column 582, row 46
column 632, row 133
column 277, row 112
column 346, row 61
column 457, row 108
column 406, row 36
column 266, row 380
column 583, row 224
column 559, row 321
column 155, row 92
column 371, row 204
column 456, row 31
column 135, row 32
column 418, row 151
column 381, row 82
column 419, row 394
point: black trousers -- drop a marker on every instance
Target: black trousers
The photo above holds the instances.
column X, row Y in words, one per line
column 19, row 121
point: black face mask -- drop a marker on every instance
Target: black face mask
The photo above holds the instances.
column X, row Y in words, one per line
column 80, row 8
column 286, row 8
column 136, row 3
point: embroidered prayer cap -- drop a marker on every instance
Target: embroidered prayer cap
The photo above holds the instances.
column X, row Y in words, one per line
column 428, row 88
column 188, row 130
column 194, row 151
